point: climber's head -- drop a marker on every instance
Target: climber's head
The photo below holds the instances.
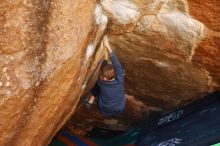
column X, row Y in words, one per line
column 107, row 72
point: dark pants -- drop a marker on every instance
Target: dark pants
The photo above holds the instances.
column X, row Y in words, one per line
column 95, row 91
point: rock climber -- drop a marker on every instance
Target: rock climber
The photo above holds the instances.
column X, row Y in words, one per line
column 109, row 88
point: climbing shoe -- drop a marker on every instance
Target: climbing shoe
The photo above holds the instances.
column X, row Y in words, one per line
column 84, row 99
column 88, row 105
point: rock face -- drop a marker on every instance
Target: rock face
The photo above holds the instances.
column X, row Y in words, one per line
column 47, row 50
column 49, row 56
column 169, row 48
column 207, row 54
column 170, row 52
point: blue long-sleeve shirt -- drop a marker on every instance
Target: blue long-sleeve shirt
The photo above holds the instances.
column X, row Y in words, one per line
column 111, row 98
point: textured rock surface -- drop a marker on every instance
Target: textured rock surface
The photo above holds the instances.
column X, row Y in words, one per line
column 170, row 51
column 207, row 12
column 207, row 54
column 46, row 52
column 48, row 55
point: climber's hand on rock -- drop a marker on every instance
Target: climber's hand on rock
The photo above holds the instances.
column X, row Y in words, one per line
column 106, row 44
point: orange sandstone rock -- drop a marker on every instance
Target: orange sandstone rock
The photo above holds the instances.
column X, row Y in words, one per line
column 158, row 42
column 49, row 56
column 170, row 52
column 47, row 48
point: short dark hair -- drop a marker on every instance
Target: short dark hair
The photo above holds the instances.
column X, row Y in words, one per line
column 107, row 71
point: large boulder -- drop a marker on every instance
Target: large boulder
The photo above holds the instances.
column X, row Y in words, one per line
column 170, row 51
column 47, row 50
column 207, row 54
column 50, row 56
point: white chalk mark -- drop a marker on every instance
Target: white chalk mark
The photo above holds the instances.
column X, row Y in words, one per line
column 100, row 18
column 89, row 52
column 122, row 10
column 83, row 86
